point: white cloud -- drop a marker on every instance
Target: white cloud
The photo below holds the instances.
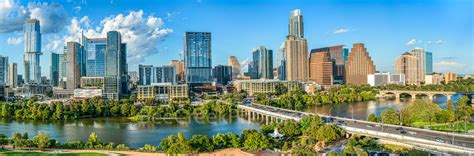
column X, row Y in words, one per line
column 52, row 16
column 439, row 42
column 14, row 40
column 412, row 42
column 452, row 66
column 340, row 31
column 141, row 33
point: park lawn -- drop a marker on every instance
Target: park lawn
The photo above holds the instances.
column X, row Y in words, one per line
column 458, row 127
column 24, row 153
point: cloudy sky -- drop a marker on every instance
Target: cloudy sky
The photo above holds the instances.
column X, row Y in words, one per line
column 154, row 29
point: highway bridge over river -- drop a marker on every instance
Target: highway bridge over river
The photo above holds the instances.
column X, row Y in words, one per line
column 417, row 137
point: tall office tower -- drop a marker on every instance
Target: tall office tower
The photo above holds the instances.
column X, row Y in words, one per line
column 197, row 58
column 54, row 69
column 234, row 63
column 95, row 56
column 73, row 70
column 62, row 69
column 31, row 58
column 145, row 74
column 358, row 65
column 123, row 71
column 222, row 74
column 296, row 49
column 407, row 64
column 281, row 62
column 114, row 65
column 179, row 66
column 321, row 66
column 429, row 63
column 421, row 55
column 262, row 63
column 3, row 70
column 165, row 74
column 13, row 75
column 339, row 55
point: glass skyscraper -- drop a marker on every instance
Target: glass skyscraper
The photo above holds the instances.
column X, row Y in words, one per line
column 95, row 57
column 263, row 63
column 197, row 57
column 54, row 69
column 116, row 72
column 3, row 70
column 31, row 58
column 429, row 63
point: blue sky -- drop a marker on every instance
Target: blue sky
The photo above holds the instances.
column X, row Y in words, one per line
column 388, row 28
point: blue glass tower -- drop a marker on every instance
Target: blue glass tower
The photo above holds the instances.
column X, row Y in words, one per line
column 197, row 58
column 95, row 57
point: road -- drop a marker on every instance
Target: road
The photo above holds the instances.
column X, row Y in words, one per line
column 448, row 138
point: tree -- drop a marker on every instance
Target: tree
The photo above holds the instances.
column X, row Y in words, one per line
column 389, row 116
column 372, row 118
column 254, row 140
column 92, row 141
column 180, row 146
column 201, row 143
column 290, row 128
column 42, row 140
column 463, row 111
column 168, row 142
column 308, row 121
column 329, row 133
column 219, row 141
column 280, row 89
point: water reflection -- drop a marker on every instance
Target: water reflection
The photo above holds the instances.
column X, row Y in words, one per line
column 360, row 110
column 119, row 130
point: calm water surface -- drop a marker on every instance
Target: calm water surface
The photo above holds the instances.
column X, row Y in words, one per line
column 119, row 130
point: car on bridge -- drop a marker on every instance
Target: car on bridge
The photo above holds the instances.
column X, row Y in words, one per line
column 439, row 140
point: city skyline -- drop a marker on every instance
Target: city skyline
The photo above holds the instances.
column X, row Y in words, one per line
column 450, row 44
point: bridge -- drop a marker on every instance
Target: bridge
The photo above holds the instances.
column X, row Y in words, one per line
column 419, row 138
column 430, row 94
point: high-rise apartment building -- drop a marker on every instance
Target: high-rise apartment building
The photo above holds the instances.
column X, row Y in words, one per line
column 321, row 66
column 74, row 57
column 407, row 64
column 339, row 55
column 31, row 58
column 95, row 56
column 3, row 70
column 222, row 74
column 296, row 48
column 420, row 54
column 147, row 74
column 197, row 58
column 62, row 69
column 13, row 75
column 234, row 63
column 179, row 67
column 358, row 65
column 116, row 72
column 262, row 63
column 54, row 69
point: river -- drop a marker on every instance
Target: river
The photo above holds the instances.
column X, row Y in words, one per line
column 120, row 130
column 136, row 134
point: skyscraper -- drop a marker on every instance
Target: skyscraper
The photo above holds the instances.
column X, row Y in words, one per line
column 429, row 63
column 262, row 63
column 54, row 69
column 13, row 75
column 147, row 74
column 296, row 48
column 95, row 56
column 407, row 64
column 321, row 66
column 339, row 55
column 281, row 62
column 179, row 67
column 420, row 54
column 31, row 58
column 358, row 65
column 115, row 62
column 234, row 63
column 3, row 70
column 222, row 74
column 166, row 74
column 62, row 69
column 197, row 58
column 73, row 65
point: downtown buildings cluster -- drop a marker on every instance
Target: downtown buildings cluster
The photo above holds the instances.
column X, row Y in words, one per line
column 98, row 67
